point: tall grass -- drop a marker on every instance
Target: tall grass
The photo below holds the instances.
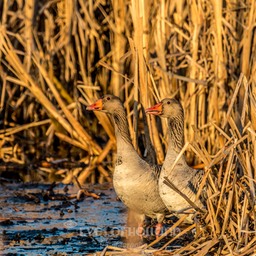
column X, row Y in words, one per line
column 59, row 56
column 70, row 53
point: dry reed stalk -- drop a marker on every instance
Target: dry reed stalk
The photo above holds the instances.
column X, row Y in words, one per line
column 118, row 44
column 171, row 229
column 82, row 135
column 179, row 235
column 10, row 131
column 18, row 69
column 139, row 48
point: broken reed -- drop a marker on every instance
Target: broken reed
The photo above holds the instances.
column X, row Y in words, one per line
column 64, row 54
column 173, row 48
column 141, row 52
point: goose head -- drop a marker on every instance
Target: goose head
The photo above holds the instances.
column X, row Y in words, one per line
column 107, row 103
column 168, row 107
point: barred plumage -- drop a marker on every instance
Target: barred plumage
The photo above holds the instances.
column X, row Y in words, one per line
column 135, row 181
column 182, row 181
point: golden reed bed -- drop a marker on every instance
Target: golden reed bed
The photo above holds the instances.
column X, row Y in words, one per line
column 59, row 56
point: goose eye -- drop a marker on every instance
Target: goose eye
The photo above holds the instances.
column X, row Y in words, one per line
column 168, row 102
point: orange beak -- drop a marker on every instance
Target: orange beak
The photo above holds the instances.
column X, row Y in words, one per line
column 156, row 109
column 97, row 105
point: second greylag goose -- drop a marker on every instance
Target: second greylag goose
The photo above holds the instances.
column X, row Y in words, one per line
column 134, row 180
column 183, row 177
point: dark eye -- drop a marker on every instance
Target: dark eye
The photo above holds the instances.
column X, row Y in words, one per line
column 168, row 102
column 108, row 98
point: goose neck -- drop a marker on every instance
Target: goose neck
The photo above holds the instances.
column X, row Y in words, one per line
column 123, row 138
column 176, row 134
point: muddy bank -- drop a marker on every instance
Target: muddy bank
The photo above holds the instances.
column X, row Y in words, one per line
column 32, row 223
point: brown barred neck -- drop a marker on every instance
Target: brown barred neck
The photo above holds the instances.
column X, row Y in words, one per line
column 121, row 125
column 176, row 131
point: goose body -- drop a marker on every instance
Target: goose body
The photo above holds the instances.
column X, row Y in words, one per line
column 136, row 185
column 134, row 180
column 186, row 179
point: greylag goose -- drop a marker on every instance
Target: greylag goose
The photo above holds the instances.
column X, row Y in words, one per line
column 183, row 177
column 134, row 180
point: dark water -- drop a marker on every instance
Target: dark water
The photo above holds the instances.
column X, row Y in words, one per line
column 33, row 224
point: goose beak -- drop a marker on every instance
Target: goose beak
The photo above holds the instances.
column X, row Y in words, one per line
column 97, row 105
column 156, row 109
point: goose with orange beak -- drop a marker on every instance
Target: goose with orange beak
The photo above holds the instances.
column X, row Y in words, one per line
column 97, row 105
column 183, row 177
column 134, row 180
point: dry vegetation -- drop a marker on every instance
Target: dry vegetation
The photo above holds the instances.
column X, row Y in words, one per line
column 59, row 56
